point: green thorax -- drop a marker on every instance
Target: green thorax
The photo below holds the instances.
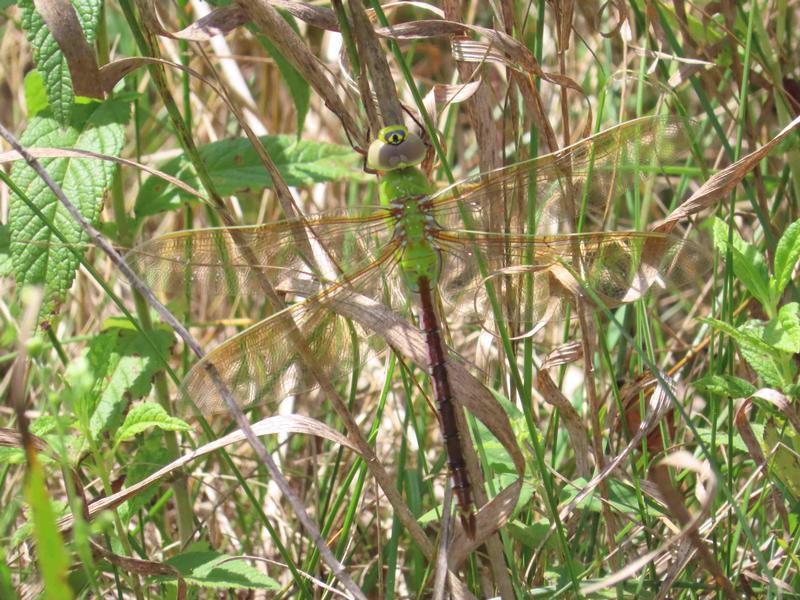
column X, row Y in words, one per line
column 402, row 189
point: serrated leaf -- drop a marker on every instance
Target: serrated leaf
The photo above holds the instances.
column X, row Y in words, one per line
column 760, row 355
column 235, row 168
column 749, row 265
column 47, row 55
column 727, row 386
column 148, row 415
column 214, row 570
column 37, row 254
column 765, row 363
column 51, row 553
column 787, row 253
column 123, row 363
column 783, row 332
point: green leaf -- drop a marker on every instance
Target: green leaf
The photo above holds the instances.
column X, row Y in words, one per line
column 748, row 263
column 35, row 93
column 760, row 355
column 235, row 168
column 51, row 553
column 787, row 254
column 725, row 385
column 765, row 363
column 37, row 254
column 784, row 463
column 783, row 332
column 214, row 570
column 123, row 363
column 148, row 415
column 150, row 455
column 47, row 55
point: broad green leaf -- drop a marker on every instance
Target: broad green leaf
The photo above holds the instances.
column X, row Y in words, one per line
column 51, row 553
column 784, row 463
column 149, row 455
column 37, row 254
column 766, row 364
column 148, row 415
column 787, row 254
column 35, row 94
column 621, row 496
column 748, row 263
column 783, row 332
column 725, row 385
column 215, row 570
column 123, row 363
column 761, row 356
column 48, row 57
column 298, row 86
column 235, row 168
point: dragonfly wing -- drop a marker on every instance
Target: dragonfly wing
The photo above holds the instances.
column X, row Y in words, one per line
column 589, row 178
column 548, row 273
column 264, row 364
column 280, row 355
column 232, row 261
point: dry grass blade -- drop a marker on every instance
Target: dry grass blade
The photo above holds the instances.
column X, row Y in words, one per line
column 678, row 459
column 270, row 426
column 9, row 157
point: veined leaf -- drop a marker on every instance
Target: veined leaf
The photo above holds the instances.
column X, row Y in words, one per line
column 148, row 415
column 47, row 55
column 728, row 386
column 759, row 354
column 214, row 570
column 37, row 254
column 35, row 93
column 235, row 168
column 784, row 463
column 123, row 363
column 783, row 332
column 786, row 256
column 748, row 263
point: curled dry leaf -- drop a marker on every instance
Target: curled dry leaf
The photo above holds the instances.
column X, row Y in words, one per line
column 140, row 567
column 681, row 460
column 268, row 426
column 658, row 405
column 720, row 184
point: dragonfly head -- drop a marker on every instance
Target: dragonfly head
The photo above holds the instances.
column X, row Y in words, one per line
column 395, row 148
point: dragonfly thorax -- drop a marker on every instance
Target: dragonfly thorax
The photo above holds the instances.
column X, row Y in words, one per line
column 404, row 192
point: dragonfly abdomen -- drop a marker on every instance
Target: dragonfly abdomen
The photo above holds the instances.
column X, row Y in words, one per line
column 447, row 409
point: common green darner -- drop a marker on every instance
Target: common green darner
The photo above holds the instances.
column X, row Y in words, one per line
column 452, row 243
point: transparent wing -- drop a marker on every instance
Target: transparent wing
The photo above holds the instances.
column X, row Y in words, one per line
column 588, row 178
column 548, row 273
column 280, row 355
column 231, row 261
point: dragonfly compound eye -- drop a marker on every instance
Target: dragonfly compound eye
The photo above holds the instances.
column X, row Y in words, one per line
column 395, row 148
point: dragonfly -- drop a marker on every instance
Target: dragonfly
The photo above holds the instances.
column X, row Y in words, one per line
column 433, row 250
